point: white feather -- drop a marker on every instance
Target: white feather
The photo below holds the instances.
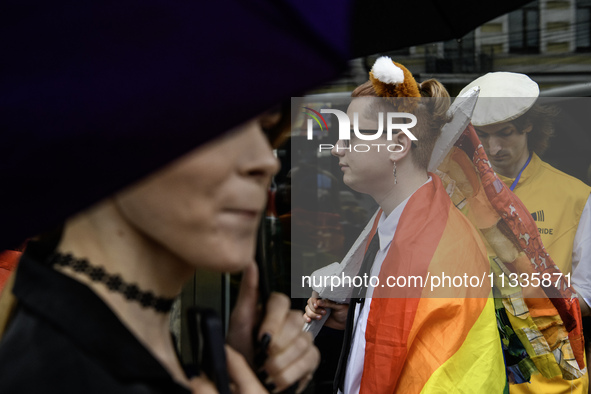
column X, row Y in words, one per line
column 386, row 71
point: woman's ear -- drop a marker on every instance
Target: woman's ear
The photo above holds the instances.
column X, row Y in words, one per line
column 399, row 147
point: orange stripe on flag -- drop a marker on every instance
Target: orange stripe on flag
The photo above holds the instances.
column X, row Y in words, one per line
column 409, row 338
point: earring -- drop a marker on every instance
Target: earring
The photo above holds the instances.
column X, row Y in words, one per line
column 394, row 172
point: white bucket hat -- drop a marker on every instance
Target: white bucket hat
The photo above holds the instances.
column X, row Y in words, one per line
column 503, row 97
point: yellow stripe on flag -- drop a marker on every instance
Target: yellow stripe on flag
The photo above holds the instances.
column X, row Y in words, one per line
column 481, row 351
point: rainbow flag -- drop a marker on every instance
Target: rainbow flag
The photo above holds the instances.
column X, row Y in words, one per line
column 420, row 339
column 545, row 316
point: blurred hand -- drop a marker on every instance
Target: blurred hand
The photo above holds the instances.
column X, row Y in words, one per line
column 290, row 353
column 246, row 315
column 317, row 307
column 202, row 385
column 242, row 378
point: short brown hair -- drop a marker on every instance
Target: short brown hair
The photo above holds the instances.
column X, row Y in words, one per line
column 432, row 107
column 541, row 118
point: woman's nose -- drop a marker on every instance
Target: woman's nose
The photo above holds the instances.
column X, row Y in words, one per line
column 262, row 162
column 338, row 149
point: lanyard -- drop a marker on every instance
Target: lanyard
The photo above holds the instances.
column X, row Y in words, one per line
column 519, row 175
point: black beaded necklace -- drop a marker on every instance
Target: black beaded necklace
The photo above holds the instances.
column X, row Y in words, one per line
column 115, row 283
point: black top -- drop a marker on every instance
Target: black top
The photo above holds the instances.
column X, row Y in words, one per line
column 64, row 339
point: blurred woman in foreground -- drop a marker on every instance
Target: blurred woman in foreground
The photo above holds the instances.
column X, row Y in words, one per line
column 94, row 298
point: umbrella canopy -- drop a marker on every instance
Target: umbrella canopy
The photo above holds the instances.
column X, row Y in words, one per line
column 94, row 95
column 386, row 25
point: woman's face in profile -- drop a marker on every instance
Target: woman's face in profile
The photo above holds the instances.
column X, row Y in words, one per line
column 364, row 164
column 206, row 207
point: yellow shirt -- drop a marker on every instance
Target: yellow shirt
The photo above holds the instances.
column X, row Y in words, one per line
column 556, row 201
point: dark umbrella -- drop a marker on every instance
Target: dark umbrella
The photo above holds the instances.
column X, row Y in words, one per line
column 93, row 95
column 386, row 25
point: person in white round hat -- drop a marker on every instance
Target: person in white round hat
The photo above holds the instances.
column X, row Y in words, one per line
column 515, row 130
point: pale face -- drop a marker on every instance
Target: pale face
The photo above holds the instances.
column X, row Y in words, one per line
column 366, row 172
column 505, row 146
column 205, row 208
